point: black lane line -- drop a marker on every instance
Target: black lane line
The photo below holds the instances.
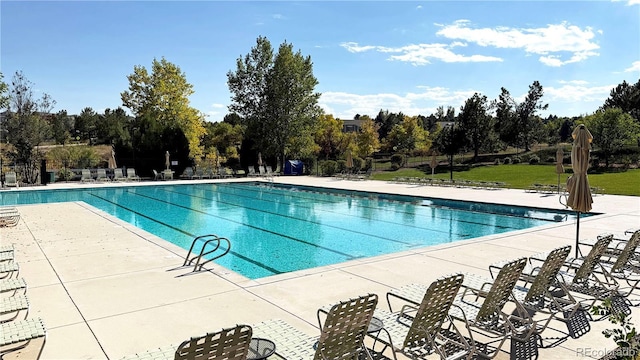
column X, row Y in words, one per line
column 393, row 211
column 349, row 256
column 259, row 264
column 483, row 224
column 291, row 217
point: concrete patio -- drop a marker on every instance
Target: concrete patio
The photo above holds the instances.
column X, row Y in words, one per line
column 106, row 289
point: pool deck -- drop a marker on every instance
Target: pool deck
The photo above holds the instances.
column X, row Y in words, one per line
column 107, row 289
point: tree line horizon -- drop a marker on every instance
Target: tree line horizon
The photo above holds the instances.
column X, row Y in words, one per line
column 274, row 111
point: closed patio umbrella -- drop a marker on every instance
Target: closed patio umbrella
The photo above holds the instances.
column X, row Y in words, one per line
column 349, row 160
column 259, row 159
column 580, row 198
column 433, row 164
column 559, row 166
column 112, row 159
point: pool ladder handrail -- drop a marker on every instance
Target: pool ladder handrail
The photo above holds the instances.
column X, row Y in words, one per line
column 208, row 239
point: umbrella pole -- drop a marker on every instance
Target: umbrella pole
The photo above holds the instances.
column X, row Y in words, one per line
column 577, row 233
column 558, row 183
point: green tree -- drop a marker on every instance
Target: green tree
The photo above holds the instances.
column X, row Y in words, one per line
column 4, row 93
column 61, row 127
column 625, row 97
column 248, row 84
column 612, row 129
column 163, row 96
column 506, row 124
column 223, row 137
column 85, row 124
column 113, row 127
column 525, row 112
column 275, row 98
column 291, row 104
column 26, row 125
column 386, row 121
column 408, row 137
column 329, row 136
column 367, row 139
column 475, row 121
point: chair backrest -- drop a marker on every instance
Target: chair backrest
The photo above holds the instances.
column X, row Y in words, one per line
column 345, row 327
column 547, row 274
column 252, row 170
column 226, row 344
column 261, row 170
column 117, row 173
column 86, row 174
column 592, row 259
column 131, row 173
column 500, row 291
column 433, row 311
column 269, row 170
column 629, row 249
column 10, row 178
column 101, row 173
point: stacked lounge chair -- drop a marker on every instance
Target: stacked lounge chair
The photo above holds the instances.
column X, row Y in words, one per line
column 16, row 330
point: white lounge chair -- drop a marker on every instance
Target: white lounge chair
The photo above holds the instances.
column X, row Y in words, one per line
column 131, row 174
column 11, row 179
column 16, row 335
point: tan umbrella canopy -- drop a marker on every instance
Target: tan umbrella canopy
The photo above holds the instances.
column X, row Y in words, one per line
column 580, row 198
column 112, row 159
column 559, row 166
column 349, row 160
column 433, row 164
column 167, row 162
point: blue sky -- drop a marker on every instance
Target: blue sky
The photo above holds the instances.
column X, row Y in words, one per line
column 409, row 56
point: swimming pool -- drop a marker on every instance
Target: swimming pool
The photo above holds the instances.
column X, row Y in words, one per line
column 278, row 228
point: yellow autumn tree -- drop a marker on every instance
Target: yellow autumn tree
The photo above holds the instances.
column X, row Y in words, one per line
column 164, row 96
column 367, row 139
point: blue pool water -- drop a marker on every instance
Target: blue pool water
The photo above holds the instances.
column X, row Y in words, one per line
column 281, row 228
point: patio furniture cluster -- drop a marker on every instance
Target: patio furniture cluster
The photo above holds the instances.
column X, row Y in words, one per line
column 555, row 189
column 17, row 330
column 456, row 316
column 358, row 175
column 450, row 183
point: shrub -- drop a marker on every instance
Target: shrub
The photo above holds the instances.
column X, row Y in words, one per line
column 496, row 161
column 534, row 160
column 341, row 165
column 368, row 163
column 328, row 167
column 506, row 160
column 64, row 175
column 551, row 159
column 398, row 160
column 516, row 160
column 357, row 163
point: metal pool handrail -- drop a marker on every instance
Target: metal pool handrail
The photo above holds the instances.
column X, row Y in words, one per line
column 209, row 239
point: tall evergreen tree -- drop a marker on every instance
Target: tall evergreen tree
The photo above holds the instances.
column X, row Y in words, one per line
column 625, row 97
column 475, row 121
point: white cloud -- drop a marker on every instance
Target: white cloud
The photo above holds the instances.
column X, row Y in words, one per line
column 629, row 2
column 419, row 7
column 421, row 54
column 634, row 67
column 552, row 42
column 278, row 16
column 218, row 106
column 578, row 91
column 424, row 102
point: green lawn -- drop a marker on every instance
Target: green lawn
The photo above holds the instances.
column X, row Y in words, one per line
column 521, row 176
